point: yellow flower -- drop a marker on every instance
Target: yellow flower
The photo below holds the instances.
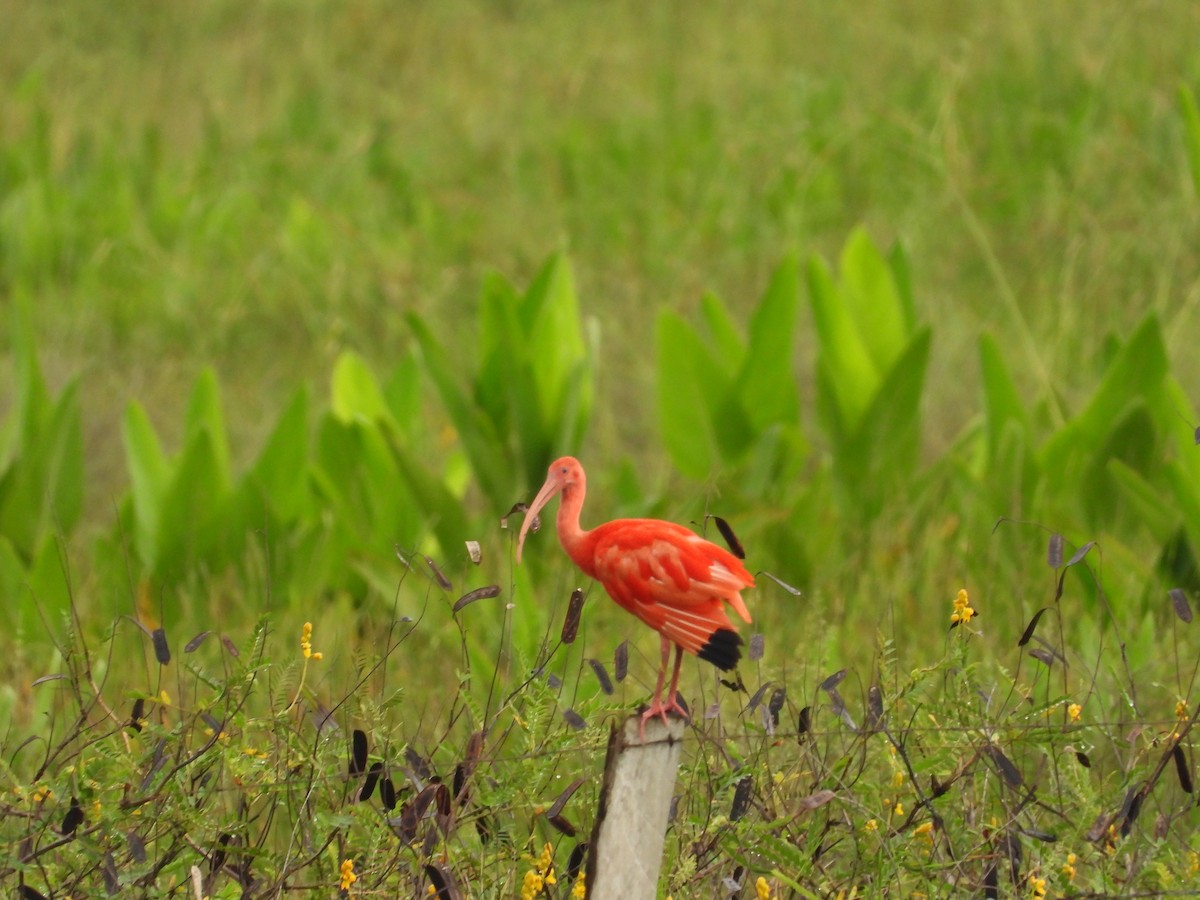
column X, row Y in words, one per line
column 1181, row 709
column 762, row 889
column 1068, row 868
column 925, row 828
column 899, row 809
column 306, row 642
column 348, row 876
column 897, row 779
column 579, row 892
column 963, row 612
column 532, row 886
column 1037, row 887
column 1074, row 712
column 871, row 825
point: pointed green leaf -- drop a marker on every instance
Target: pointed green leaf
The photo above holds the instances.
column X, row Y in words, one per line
column 440, row 510
column 767, row 384
column 14, row 586
column 32, row 398
column 402, row 392
column 204, row 414
column 279, row 474
column 476, row 432
column 556, row 346
column 62, row 459
column 501, row 350
column 843, row 362
column 1001, row 402
column 1160, row 519
column 354, row 392
column 1191, row 132
column 190, row 527
column 43, row 488
column 683, row 402
column 886, row 445
column 729, row 346
column 1139, row 367
column 873, row 300
column 48, row 588
column 149, row 472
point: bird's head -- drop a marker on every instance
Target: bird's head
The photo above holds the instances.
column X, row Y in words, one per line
column 564, row 475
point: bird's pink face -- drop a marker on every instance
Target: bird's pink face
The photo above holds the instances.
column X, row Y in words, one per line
column 564, row 473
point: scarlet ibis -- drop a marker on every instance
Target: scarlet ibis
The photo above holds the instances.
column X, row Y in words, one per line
column 667, row 575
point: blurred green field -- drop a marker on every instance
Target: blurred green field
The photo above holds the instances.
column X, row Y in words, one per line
column 262, row 189
column 257, row 187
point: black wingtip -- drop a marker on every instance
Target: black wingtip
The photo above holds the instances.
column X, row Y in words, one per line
column 723, row 649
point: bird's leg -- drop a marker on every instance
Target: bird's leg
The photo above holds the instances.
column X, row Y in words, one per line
column 672, row 694
column 657, row 706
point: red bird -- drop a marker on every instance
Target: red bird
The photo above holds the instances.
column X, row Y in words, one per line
column 667, row 575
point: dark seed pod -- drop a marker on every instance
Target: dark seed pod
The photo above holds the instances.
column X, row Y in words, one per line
column 358, row 752
column 73, row 819
column 162, row 652
column 804, row 724
column 370, row 781
column 1027, row 634
column 387, row 793
column 735, row 546
column 195, row 642
column 601, row 675
column 755, row 651
column 483, row 593
column 1180, row 601
column 1181, row 769
column 574, row 719
column 139, row 714
column 775, row 704
column 574, row 613
column 742, row 792
column 1054, row 554
column 621, row 661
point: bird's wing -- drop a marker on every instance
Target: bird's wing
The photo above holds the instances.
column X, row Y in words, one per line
column 671, row 578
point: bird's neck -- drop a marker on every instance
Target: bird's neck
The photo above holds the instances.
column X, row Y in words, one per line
column 573, row 538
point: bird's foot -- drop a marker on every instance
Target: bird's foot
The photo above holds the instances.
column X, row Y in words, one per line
column 661, row 708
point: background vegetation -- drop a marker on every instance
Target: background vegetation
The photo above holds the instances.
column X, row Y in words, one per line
column 300, row 297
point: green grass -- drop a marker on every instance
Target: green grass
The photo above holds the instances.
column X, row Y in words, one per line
column 260, row 188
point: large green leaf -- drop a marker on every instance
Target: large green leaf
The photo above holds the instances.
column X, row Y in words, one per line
column 189, row 504
column 729, row 346
column 885, row 448
column 14, row 587
column 873, row 301
column 1139, row 367
column 1002, row 406
column 440, row 510
column 844, row 361
column 43, row 489
column 355, row 394
column 149, row 472
column 550, row 316
column 476, row 432
column 766, row 384
column 279, row 474
column 1191, row 132
column 683, row 402
column 204, row 414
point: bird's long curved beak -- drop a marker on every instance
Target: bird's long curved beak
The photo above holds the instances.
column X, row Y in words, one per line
column 549, row 489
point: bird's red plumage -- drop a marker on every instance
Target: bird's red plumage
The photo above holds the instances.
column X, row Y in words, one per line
column 668, row 576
